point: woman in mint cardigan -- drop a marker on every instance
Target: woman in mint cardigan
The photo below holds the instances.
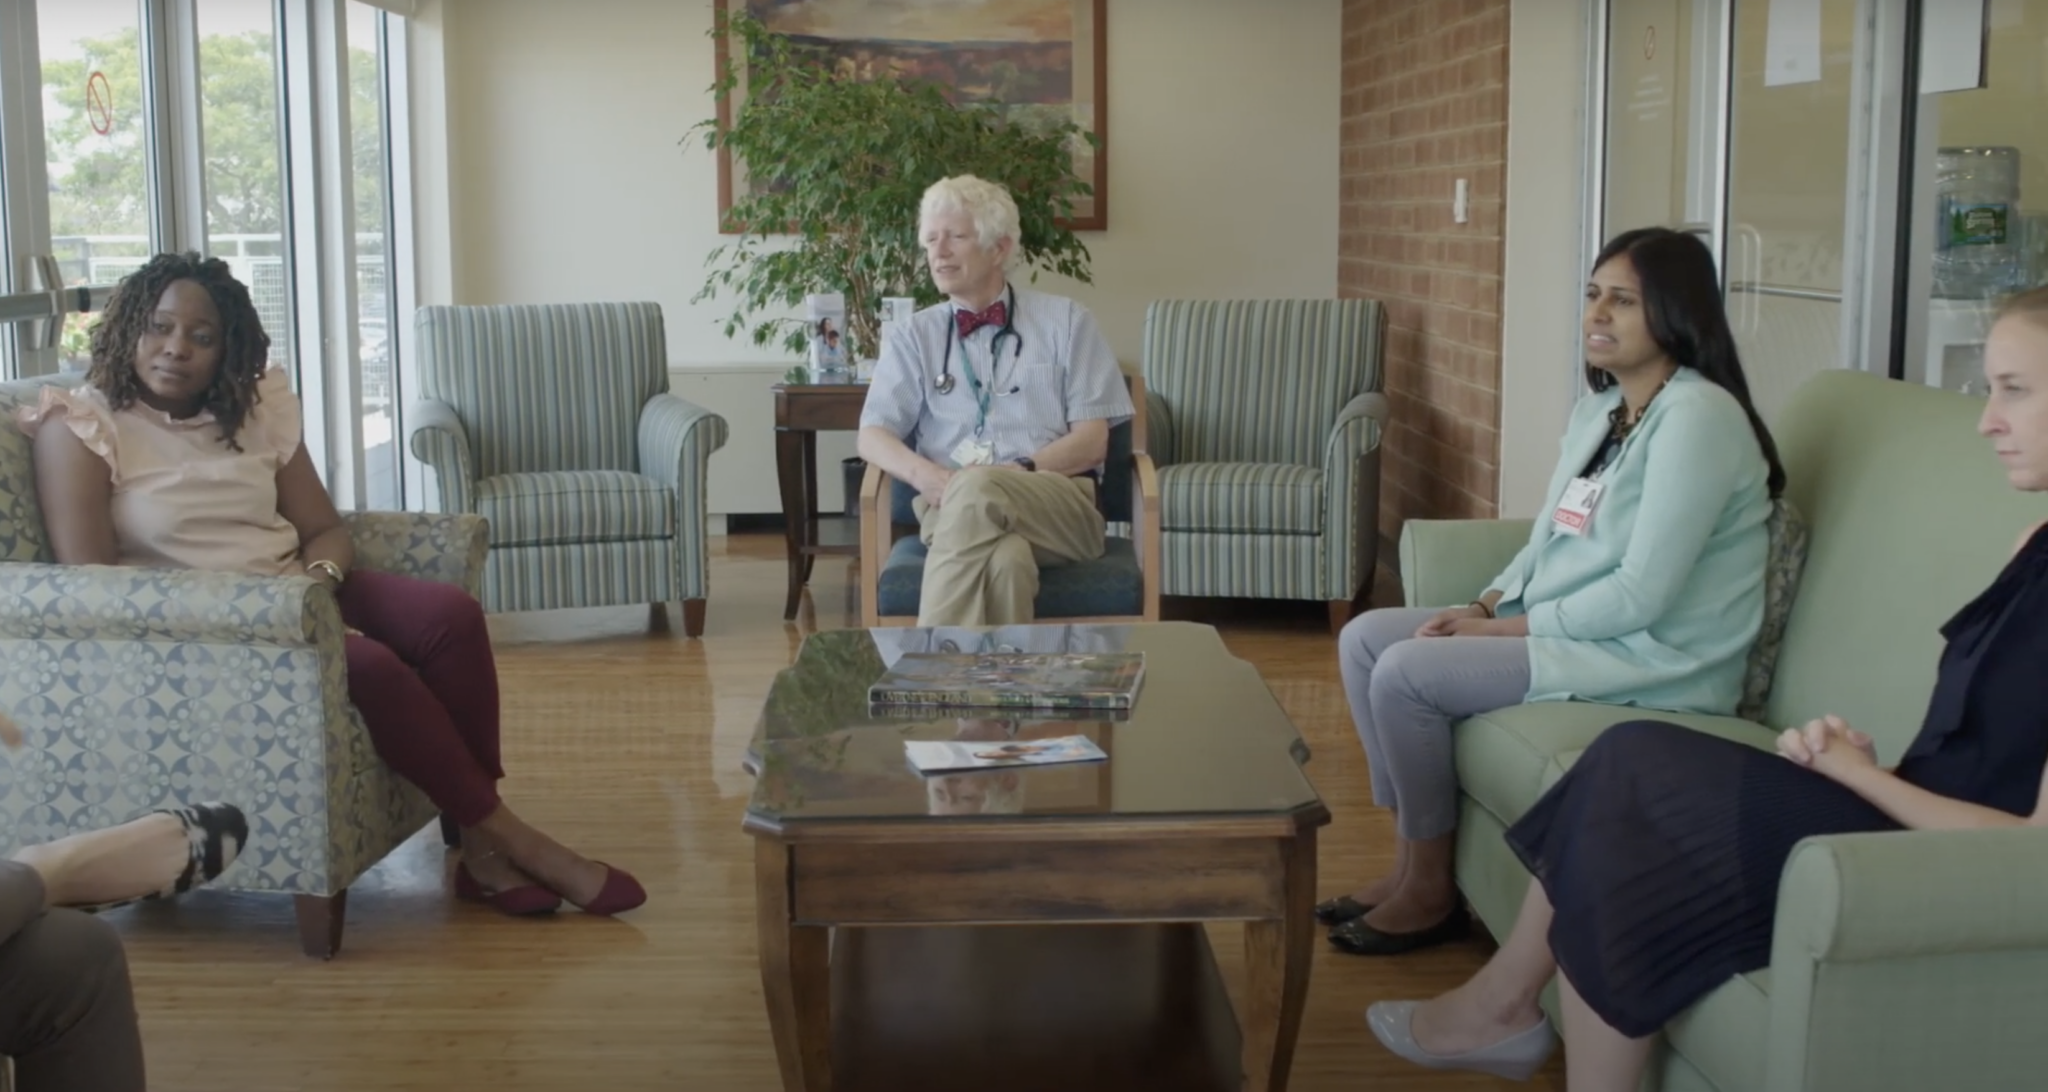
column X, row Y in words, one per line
column 1642, row 583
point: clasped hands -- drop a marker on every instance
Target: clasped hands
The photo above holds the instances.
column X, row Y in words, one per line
column 1827, row 745
column 1467, row 621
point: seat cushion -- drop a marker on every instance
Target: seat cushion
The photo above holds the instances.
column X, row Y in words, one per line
column 562, row 507
column 1508, row 757
column 1719, row 1033
column 1241, row 498
column 1110, row 586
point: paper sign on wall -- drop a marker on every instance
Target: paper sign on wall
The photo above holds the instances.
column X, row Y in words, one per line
column 1792, row 43
column 1952, row 45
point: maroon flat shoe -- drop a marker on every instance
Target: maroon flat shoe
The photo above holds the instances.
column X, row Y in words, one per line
column 523, row 901
column 621, row 892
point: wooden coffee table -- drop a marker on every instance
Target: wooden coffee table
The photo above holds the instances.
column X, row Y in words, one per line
column 1041, row 928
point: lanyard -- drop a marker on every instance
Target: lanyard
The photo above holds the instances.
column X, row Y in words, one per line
column 982, row 392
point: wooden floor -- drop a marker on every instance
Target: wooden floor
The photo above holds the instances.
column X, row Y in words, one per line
column 627, row 745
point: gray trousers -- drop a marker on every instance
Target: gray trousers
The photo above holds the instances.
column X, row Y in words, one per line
column 67, row 1013
column 1405, row 691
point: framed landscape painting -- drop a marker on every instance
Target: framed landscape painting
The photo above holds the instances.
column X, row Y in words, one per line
column 1038, row 57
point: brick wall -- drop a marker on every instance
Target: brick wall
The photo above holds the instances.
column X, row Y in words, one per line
column 1425, row 103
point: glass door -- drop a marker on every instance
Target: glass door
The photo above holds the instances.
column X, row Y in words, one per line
column 1791, row 119
column 1748, row 122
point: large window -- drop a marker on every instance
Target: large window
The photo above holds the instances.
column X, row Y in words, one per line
column 133, row 126
column 96, row 146
column 245, row 199
column 1860, row 222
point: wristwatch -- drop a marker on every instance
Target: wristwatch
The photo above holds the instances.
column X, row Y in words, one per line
column 1026, row 462
column 323, row 565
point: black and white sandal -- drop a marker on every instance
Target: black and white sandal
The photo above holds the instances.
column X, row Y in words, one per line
column 214, row 834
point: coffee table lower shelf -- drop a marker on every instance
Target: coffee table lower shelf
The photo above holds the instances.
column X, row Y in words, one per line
column 1030, row 1007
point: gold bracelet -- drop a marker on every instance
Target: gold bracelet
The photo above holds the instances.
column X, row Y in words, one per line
column 332, row 570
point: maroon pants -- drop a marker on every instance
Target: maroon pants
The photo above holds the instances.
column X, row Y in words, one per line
column 423, row 677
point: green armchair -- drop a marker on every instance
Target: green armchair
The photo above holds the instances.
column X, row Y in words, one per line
column 555, row 423
column 1264, row 418
column 1908, row 960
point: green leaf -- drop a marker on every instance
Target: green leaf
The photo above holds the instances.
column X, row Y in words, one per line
column 848, row 161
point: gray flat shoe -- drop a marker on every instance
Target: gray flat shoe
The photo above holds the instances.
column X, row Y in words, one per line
column 1515, row 1058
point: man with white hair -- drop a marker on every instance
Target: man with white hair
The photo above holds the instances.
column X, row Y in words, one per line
column 996, row 407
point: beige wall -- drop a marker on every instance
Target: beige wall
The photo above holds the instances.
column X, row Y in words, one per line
column 567, row 181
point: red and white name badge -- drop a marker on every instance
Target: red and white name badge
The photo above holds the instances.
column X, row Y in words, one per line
column 1574, row 515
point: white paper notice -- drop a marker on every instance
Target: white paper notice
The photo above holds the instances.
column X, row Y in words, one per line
column 1952, row 45
column 1792, row 43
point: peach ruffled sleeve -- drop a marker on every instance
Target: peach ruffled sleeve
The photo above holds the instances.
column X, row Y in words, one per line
column 275, row 427
column 83, row 412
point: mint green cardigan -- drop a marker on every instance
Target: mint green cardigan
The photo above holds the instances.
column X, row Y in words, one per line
column 1658, row 605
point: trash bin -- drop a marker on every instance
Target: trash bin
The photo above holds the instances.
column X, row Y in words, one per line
column 854, row 470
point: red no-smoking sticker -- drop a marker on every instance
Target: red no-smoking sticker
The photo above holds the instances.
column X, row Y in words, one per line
column 99, row 103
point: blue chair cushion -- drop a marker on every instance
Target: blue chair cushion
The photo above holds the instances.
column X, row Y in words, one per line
column 1109, row 586
column 1241, row 498
column 564, row 507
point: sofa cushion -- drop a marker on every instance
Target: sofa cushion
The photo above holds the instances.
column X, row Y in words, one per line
column 1508, row 757
column 1720, row 1032
column 1783, row 564
column 563, row 507
column 1241, row 498
column 1110, row 586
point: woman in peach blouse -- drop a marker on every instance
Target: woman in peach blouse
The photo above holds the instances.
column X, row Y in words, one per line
column 182, row 450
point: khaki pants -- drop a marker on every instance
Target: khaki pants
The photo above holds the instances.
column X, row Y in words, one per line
column 67, row 1013
column 988, row 537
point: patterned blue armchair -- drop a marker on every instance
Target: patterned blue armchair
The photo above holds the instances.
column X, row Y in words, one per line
column 1265, row 420
column 555, row 423
column 142, row 688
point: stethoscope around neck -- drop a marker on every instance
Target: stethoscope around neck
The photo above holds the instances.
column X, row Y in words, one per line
column 944, row 382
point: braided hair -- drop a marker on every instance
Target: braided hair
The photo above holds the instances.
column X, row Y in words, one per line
column 244, row 347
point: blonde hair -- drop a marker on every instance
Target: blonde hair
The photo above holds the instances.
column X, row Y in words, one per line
column 2031, row 304
column 987, row 203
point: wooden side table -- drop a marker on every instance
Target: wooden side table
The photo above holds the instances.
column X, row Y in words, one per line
column 802, row 410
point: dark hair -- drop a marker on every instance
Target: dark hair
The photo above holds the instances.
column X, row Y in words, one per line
column 1681, row 294
column 244, row 347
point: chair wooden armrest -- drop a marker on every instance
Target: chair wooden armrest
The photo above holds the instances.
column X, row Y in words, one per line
column 876, row 536
column 1145, row 530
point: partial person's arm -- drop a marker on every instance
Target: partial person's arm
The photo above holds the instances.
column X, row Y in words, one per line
column 303, row 501
column 76, row 490
column 895, row 402
column 1083, row 448
column 1912, row 806
column 1831, row 747
column 1096, row 396
column 881, row 447
column 1691, row 470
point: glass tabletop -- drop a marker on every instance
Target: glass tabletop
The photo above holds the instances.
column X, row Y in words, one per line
column 1204, row 736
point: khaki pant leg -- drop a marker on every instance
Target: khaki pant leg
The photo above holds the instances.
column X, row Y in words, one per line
column 988, row 536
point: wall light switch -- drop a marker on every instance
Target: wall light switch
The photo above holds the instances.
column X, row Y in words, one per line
column 1459, row 210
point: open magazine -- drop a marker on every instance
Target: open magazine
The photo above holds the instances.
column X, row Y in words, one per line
column 938, row 756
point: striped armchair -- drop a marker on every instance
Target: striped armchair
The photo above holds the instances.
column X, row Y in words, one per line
column 555, row 423
column 1264, row 417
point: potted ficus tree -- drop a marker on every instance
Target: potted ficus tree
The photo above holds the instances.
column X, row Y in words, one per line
column 838, row 162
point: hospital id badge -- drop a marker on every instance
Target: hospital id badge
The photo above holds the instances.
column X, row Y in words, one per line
column 974, row 453
column 1574, row 513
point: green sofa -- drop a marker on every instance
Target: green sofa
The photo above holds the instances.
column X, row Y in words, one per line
column 1899, row 961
